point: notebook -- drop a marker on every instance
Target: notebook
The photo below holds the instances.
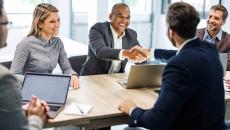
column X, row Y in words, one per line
column 51, row 88
column 143, row 75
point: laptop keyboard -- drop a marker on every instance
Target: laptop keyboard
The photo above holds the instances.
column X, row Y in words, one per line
column 54, row 108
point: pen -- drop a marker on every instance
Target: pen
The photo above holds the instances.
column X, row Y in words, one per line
column 82, row 112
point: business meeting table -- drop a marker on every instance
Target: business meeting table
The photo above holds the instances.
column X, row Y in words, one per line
column 105, row 94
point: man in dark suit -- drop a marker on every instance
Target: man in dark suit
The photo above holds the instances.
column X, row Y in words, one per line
column 212, row 33
column 192, row 91
column 107, row 42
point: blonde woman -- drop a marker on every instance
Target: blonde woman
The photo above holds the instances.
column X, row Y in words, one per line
column 41, row 50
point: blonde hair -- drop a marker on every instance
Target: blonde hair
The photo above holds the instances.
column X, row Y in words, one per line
column 41, row 12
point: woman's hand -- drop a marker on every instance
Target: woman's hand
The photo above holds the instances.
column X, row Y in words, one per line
column 74, row 81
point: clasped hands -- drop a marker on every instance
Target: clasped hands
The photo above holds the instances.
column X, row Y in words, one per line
column 136, row 54
column 36, row 107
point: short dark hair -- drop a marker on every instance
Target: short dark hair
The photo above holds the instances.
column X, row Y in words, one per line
column 1, row 7
column 117, row 5
column 222, row 9
column 183, row 18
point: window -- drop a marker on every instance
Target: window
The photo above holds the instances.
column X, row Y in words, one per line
column 21, row 6
column 137, row 6
column 202, row 6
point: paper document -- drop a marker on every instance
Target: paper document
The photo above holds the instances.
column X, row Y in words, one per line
column 78, row 109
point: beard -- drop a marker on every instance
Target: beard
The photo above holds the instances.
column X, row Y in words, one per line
column 171, row 39
column 173, row 42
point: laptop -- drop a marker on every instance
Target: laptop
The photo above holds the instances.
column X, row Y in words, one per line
column 143, row 75
column 223, row 60
column 51, row 88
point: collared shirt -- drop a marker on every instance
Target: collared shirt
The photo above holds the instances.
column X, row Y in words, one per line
column 185, row 42
column 116, row 64
column 36, row 55
column 213, row 40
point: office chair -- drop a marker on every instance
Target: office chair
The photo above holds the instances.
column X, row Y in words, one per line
column 7, row 64
column 76, row 62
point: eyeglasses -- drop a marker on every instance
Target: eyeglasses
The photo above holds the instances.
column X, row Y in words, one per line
column 8, row 23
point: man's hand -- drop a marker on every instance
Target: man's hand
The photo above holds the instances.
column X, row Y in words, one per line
column 134, row 55
column 143, row 50
column 126, row 105
column 38, row 108
column 74, row 81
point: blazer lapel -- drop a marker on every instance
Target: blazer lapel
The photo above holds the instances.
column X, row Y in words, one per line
column 125, row 43
column 111, row 43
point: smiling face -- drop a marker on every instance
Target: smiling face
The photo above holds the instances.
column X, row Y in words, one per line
column 50, row 26
column 215, row 20
column 120, row 19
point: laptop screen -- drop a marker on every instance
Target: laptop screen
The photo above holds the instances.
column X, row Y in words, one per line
column 51, row 88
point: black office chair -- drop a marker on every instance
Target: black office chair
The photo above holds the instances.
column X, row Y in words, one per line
column 76, row 62
column 7, row 64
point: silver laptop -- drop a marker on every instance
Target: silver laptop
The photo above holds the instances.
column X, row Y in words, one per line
column 51, row 88
column 223, row 60
column 146, row 75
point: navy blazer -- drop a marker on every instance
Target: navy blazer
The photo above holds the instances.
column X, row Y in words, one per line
column 223, row 46
column 101, row 50
column 192, row 92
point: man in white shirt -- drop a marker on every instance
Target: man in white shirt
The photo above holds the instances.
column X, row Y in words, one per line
column 109, row 43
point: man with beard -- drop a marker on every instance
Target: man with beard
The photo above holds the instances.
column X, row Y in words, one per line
column 212, row 33
column 186, row 100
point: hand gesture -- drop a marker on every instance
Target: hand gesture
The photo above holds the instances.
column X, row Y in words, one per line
column 135, row 55
column 38, row 108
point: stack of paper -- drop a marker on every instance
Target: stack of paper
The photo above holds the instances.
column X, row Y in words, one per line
column 78, row 109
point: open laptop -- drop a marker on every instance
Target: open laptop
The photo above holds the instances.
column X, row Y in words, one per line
column 223, row 60
column 51, row 88
column 146, row 75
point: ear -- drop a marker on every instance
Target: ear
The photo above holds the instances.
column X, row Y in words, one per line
column 110, row 16
column 171, row 33
column 223, row 22
column 39, row 24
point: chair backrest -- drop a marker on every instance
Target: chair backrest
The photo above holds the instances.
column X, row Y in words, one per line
column 77, row 62
column 7, row 64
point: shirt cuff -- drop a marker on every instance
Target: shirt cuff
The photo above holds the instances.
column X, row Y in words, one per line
column 151, row 55
column 120, row 55
column 131, row 110
column 35, row 122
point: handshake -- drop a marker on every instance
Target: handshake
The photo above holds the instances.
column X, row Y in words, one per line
column 136, row 54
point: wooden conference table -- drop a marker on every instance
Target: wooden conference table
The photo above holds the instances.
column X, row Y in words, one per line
column 105, row 94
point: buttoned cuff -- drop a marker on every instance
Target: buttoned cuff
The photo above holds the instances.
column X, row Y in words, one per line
column 120, row 55
column 151, row 55
column 131, row 110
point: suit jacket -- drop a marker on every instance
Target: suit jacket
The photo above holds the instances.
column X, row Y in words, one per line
column 11, row 113
column 101, row 49
column 223, row 46
column 192, row 92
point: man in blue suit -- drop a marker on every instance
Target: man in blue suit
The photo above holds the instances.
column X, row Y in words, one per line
column 192, row 91
column 109, row 43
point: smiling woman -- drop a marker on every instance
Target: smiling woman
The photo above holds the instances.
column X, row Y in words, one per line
column 41, row 50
